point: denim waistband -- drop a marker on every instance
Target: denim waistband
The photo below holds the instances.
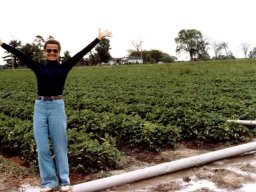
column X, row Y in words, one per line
column 49, row 98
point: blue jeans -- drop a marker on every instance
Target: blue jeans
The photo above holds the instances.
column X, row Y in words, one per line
column 49, row 126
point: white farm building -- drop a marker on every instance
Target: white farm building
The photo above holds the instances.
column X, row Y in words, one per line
column 126, row 60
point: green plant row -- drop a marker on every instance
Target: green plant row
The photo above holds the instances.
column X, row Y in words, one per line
column 150, row 107
column 86, row 154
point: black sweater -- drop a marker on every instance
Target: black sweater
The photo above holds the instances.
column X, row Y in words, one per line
column 52, row 75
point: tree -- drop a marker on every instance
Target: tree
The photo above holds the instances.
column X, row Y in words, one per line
column 224, row 46
column 166, row 58
column 245, row 48
column 103, row 51
column 217, row 49
column 153, row 56
column 39, row 41
column 32, row 50
column 156, row 55
column 252, row 54
column 191, row 41
column 202, row 51
column 50, row 37
column 137, row 44
column 10, row 59
column 93, row 59
column 66, row 56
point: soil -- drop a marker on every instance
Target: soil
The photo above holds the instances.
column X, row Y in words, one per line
column 236, row 174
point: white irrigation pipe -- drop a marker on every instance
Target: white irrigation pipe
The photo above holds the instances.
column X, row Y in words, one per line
column 243, row 122
column 162, row 169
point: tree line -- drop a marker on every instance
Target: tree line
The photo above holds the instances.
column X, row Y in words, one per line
column 190, row 41
column 193, row 42
column 100, row 55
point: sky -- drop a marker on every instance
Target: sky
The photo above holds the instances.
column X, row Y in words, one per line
column 156, row 23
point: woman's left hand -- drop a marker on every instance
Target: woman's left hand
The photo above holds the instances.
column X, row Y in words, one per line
column 103, row 34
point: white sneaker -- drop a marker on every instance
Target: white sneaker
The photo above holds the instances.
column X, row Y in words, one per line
column 66, row 188
column 46, row 189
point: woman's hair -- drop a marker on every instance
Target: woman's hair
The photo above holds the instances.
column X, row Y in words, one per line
column 52, row 41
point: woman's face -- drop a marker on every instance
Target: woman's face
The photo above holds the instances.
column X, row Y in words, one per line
column 52, row 52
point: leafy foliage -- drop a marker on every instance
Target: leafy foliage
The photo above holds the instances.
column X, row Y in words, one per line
column 103, row 51
column 192, row 41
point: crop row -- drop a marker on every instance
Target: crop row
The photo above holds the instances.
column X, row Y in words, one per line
column 151, row 107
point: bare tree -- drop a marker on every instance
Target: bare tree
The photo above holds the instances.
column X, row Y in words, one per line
column 224, row 46
column 137, row 44
column 245, row 48
column 217, row 47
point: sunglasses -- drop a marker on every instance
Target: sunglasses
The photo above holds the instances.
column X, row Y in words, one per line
column 52, row 50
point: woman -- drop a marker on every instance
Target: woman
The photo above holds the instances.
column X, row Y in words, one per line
column 49, row 119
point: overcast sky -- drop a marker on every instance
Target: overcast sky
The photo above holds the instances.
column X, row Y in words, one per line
column 75, row 23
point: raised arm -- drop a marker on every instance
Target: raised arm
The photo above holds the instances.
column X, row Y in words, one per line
column 77, row 57
column 27, row 60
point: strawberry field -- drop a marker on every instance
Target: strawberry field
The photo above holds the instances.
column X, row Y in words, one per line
column 145, row 107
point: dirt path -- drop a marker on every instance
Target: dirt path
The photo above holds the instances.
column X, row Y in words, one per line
column 237, row 174
column 234, row 174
